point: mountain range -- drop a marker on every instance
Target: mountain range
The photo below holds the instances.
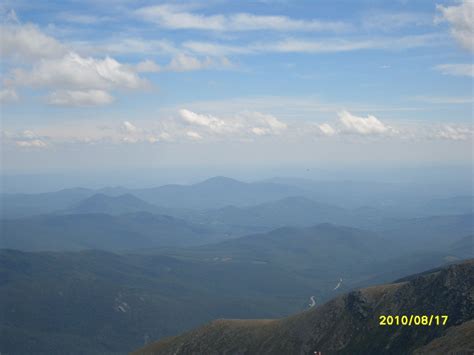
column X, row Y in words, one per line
column 101, row 231
column 112, row 205
column 212, row 193
column 124, row 221
column 103, row 302
column 400, row 201
column 350, row 324
column 108, row 270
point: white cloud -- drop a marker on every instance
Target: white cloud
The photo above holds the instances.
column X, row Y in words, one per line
column 201, row 120
column 75, row 80
column 27, row 42
column 160, row 137
column 193, row 135
column 327, row 129
column 242, row 124
column 217, row 49
column 148, row 66
column 240, row 127
column 131, row 139
column 8, row 96
column 165, row 136
column 210, row 122
column 28, row 134
column 183, row 62
column 344, row 45
column 129, row 127
column 456, row 69
column 316, row 46
column 25, row 139
column 296, row 45
column 132, row 134
column 74, row 71
column 129, row 45
column 170, row 16
column 259, row 131
column 176, row 17
column 36, row 143
column 453, row 133
column 248, row 22
column 461, row 19
column 364, row 126
column 80, row 98
column 265, row 124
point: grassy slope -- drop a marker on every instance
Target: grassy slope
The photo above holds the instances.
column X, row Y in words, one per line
column 347, row 324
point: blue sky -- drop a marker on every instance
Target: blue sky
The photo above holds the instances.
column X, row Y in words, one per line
column 130, row 84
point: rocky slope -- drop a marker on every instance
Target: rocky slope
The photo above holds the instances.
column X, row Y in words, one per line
column 349, row 324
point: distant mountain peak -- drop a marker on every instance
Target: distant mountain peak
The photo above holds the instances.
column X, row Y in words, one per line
column 103, row 197
column 220, row 180
column 102, row 203
column 97, row 196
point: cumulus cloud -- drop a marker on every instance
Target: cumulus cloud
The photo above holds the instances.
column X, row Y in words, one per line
column 129, row 127
column 242, row 124
column 211, row 123
column 265, row 124
column 456, row 69
column 74, row 71
column 75, row 80
column 28, row 43
column 461, row 19
column 240, row 127
column 327, row 129
column 132, row 134
column 8, row 95
column 178, row 17
column 80, row 98
column 369, row 125
column 199, row 119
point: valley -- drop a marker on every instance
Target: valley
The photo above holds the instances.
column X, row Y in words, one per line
column 146, row 272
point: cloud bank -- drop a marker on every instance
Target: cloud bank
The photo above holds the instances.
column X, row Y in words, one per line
column 245, row 126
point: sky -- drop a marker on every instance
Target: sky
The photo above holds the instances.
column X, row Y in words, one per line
column 118, row 85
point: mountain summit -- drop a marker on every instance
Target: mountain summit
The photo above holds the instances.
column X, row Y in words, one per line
column 114, row 205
